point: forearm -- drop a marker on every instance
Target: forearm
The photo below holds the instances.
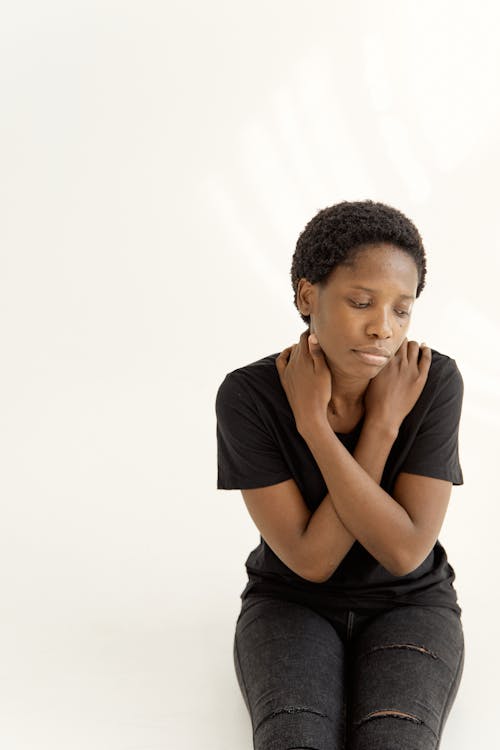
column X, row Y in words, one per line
column 326, row 537
column 366, row 511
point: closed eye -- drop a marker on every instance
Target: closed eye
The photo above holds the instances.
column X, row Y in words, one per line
column 363, row 305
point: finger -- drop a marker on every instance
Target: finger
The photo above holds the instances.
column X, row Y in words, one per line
column 282, row 358
column 280, row 363
column 317, row 354
column 314, row 346
column 285, row 353
column 412, row 351
column 291, row 353
column 303, row 341
column 425, row 360
column 301, row 348
column 401, row 352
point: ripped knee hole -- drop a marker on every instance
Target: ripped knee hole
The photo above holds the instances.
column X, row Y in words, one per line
column 290, row 710
column 390, row 712
column 410, row 646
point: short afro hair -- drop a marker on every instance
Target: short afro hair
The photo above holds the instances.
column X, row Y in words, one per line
column 333, row 235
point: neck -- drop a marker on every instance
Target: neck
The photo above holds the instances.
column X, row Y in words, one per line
column 347, row 393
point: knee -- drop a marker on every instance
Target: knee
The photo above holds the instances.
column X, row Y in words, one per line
column 291, row 710
column 296, row 727
column 391, row 713
column 392, row 728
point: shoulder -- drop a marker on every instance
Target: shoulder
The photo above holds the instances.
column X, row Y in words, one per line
column 442, row 364
column 428, row 439
column 256, row 378
column 444, row 375
column 441, row 397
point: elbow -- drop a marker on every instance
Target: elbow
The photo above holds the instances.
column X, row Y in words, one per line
column 400, row 571
column 312, row 576
column 319, row 575
column 405, row 566
column 318, row 578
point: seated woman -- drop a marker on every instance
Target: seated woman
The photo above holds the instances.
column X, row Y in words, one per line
column 345, row 449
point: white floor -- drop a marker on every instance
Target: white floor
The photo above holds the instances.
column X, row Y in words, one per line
column 118, row 686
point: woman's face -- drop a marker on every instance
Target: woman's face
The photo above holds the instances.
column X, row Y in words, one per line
column 365, row 305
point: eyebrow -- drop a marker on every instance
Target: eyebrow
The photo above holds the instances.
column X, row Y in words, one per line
column 373, row 291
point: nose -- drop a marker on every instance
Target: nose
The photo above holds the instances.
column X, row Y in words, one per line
column 379, row 324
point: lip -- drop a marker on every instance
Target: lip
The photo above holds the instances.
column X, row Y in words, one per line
column 373, row 355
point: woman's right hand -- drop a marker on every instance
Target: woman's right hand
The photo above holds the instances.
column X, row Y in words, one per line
column 393, row 393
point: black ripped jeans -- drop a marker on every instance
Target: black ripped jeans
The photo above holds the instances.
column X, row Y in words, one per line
column 351, row 680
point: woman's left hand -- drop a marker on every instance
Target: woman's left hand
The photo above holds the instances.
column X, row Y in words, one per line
column 394, row 391
column 306, row 379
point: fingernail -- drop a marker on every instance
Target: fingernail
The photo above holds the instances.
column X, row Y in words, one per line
column 313, row 338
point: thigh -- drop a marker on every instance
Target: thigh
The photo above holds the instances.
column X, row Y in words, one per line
column 289, row 662
column 406, row 667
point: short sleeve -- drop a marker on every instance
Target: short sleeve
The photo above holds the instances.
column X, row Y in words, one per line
column 434, row 452
column 248, row 456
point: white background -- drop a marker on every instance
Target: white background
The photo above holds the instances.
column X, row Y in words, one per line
column 158, row 161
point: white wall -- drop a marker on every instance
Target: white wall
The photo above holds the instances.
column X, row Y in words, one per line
column 158, row 162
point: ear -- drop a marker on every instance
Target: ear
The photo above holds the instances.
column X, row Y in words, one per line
column 305, row 296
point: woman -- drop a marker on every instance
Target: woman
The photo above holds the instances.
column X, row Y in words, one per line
column 345, row 448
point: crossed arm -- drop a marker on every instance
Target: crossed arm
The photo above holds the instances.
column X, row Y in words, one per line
column 398, row 530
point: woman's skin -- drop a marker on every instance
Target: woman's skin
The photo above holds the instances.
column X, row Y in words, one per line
column 329, row 386
column 340, row 326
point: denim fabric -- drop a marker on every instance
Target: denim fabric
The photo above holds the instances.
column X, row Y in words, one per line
column 347, row 679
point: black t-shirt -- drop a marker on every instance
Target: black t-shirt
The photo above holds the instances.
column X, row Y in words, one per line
column 258, row 445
